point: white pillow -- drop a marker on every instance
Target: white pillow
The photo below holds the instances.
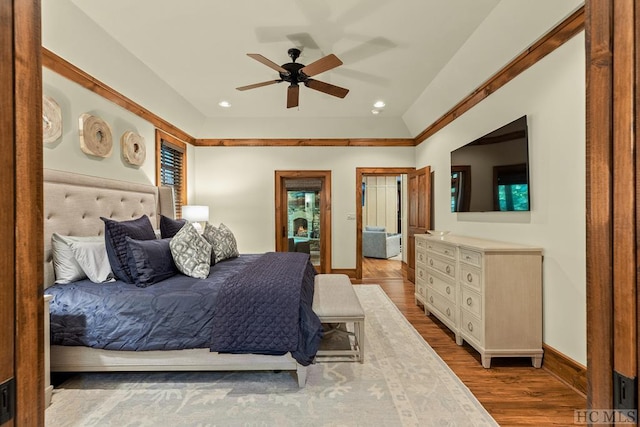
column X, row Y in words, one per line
column 84, row 261
column 93, row 259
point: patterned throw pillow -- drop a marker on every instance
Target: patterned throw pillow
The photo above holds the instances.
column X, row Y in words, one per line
column 222, row 241
column 191, row 252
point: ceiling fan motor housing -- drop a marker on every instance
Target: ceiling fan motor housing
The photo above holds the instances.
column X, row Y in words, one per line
column 294, row 75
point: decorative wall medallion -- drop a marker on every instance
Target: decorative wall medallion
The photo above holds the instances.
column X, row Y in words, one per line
column 51, row 120
column 95, row 136
column 133, row 148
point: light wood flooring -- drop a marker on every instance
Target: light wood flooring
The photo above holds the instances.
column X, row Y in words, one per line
column 514, row 393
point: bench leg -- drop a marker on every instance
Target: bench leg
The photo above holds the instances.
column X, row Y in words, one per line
column 358, row 327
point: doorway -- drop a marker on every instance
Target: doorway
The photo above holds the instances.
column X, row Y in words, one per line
column 303, row 215
column 381, row 202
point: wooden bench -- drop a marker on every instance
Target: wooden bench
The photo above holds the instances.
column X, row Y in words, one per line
column 336, row 303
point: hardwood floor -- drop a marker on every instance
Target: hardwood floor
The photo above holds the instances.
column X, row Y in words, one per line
column 514, row 393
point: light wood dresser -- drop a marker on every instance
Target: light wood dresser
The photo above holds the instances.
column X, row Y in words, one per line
column 488, row 293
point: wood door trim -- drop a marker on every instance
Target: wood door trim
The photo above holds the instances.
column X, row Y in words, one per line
column 7, row 184
column 325, row 207
column 360, row 174
column 29, row 255
column 599, row 203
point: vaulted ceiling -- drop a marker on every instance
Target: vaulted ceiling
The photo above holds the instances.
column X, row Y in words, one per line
column 391, row 50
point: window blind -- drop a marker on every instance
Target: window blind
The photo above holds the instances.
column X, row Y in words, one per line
column 172, row 172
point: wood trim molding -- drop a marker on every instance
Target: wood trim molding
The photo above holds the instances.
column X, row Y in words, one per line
column 565, row 368
column 76, row 75
column 28, row 225
column 308, row 142
column 534, row 53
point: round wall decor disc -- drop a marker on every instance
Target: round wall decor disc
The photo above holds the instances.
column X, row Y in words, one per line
column 51, row 120
column 95, row 136
column 133, row 148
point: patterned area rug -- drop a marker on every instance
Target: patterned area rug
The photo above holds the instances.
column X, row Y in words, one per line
column 402, row 383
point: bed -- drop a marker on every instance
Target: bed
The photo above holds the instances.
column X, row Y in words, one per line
column 73, row 205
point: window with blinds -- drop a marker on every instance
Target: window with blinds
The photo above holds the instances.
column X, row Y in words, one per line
column 172, row 170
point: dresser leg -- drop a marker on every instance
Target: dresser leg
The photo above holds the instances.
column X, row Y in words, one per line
column 536, row 361
column 486, row 361
column 459, row 340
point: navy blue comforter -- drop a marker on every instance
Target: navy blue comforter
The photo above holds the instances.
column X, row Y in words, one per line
column 173, row 314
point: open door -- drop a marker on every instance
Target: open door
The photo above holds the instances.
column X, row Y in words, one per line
column 303, row 215
column 419, row 213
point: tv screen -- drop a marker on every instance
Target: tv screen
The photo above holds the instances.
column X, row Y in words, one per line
column 492, row 172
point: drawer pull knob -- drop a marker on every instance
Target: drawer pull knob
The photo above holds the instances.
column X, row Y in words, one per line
column 468, row 258
column 469, row 278
column 469, row 301
column 448, row 269
column 431, row 300
column 448, row 290
column 446, row 252
column 430, row 262
column 431, row 280
column 470, row 326
column 448, row 312
column 421, row 257
column 420, row 273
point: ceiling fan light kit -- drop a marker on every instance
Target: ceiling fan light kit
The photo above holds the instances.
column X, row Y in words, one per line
column 295, row 73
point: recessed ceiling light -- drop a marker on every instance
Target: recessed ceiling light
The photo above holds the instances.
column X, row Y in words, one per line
column 379, row 104
column 375, row 111
column 224, row 104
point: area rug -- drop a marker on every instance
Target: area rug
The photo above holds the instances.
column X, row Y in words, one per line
column 402, row 382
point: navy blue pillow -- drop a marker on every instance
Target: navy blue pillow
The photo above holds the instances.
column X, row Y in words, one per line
column 169, row 227
column 115, row 233
column 150, row 261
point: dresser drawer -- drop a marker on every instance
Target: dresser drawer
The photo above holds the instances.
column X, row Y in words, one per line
column 444, row 266
column 445, row 309
column 421, row 257
column 445, row 288
column 421, row 273
column 442, row 249
column 471, row 301
column 420, row 243
column 471, row 257
column 471, row 276
column 421, row 291
column 471, row 326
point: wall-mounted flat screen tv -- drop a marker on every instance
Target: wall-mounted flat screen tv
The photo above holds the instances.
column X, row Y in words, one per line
column 492, row 172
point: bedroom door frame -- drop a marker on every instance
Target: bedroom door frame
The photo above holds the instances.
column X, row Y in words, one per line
column 282, row 219
column 21, row 161
column 360, row 174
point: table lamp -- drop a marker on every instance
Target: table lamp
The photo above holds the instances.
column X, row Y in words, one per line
column 196, row 214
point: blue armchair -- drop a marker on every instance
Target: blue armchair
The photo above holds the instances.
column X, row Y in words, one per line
column 377, row 243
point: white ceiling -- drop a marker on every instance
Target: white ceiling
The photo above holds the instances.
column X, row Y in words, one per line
column 391, row 49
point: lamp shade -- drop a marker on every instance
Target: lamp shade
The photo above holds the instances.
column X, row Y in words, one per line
column 195, row 213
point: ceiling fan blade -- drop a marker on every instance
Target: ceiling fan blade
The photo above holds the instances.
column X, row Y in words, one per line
column 267, row 62
column 293, row 95
column 321, row 65
column 327, row 88
column 255, row 85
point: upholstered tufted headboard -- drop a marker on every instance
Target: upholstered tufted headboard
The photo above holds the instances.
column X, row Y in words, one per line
column 74, row 203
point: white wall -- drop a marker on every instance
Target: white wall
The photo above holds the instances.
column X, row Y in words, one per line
column 65, row 153
column 552, row 95
column 71, row 34
column 238, row 185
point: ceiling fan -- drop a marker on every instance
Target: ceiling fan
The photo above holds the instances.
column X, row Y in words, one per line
column 295, row 74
